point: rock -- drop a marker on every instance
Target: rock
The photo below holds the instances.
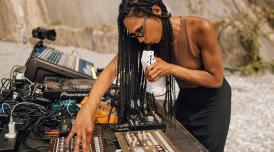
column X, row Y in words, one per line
column 102, row 40
column 252, row 113
column 92, row 24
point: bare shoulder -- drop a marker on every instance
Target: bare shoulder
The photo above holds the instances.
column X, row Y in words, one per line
column 200, row 30
column 200, row 25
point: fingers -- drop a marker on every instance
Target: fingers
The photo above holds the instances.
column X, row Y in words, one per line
column 155, row 76
column 153, row 72
column 87, row 139
column 149, row 69
column 84, row 142
column 89, row 135
column 146, row 71
column 158, row 61
column 83, row 137
column 78, row 142
column 71, row 134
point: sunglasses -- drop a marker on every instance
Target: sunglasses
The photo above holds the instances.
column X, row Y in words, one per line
column 140, row 31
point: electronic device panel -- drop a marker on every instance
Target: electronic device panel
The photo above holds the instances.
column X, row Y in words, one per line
column 146, row 120
column 67, row 89
column 59, row 144
column 47, row 61
column 145, row 141
column 38, row 69
column 70, row 61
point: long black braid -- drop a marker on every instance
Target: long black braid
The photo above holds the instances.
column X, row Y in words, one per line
column 130, row 72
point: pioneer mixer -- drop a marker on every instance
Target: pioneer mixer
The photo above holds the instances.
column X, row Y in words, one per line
column 67, row 89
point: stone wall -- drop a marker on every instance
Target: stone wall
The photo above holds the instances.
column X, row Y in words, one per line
column 92, row 24
column 19, row 16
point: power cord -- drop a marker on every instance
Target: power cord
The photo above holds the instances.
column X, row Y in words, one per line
column 11, row 125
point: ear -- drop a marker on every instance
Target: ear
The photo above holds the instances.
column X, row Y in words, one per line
column 156, row 10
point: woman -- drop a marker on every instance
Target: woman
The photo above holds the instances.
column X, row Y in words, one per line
column 187, row 50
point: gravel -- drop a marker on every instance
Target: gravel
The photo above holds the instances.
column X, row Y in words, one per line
column 252, row 115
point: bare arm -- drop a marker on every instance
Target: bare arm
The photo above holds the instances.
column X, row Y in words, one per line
column 102, row 83
column 84, row 123
column 212, row 74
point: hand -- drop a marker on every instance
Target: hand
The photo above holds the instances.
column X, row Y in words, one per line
column 157, row 70
column 83, row 128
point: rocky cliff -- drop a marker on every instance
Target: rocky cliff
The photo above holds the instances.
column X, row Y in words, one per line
column 243, row 26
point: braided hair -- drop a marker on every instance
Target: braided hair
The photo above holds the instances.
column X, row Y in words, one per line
column 130, row 72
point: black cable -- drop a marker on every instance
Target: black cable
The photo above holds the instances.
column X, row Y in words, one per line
column 21, row 137
column 25, row 143
column 3, row 83
column 40, row 124
column 26, row 110
column 30, row 126
column 110, row 112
